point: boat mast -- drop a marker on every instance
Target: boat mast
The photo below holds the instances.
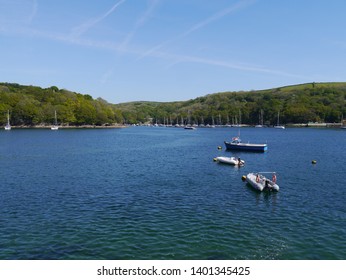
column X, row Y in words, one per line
column 55, row 119
column 239, row 117
column 8, row 126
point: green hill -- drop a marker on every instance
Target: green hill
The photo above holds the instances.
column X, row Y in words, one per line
column 31, row 105
column 311, row 102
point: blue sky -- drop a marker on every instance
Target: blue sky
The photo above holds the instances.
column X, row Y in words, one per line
column 170, row 50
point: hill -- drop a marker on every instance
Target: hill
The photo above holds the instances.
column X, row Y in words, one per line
column 311, row 102
column 31, row 105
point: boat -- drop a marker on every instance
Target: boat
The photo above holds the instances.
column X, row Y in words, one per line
column 55, row 126
column 230, row 160
column 261, row 183
column 189, row 127
column 237, row 144
column 278, row 123
column 343, row 123
column 8, row 126
column 260, row 117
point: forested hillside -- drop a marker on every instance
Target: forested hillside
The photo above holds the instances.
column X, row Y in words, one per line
column 313, row 102
column 30, row 105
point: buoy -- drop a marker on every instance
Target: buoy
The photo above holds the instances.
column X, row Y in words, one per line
column 314, row 162
column 243, row 177
column 219, row 148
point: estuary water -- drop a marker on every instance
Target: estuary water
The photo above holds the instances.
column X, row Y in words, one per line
column 156, row 193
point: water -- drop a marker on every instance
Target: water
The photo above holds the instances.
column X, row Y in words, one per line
column 155, row 193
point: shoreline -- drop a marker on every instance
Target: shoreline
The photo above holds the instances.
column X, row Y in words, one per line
column 68, row 126
column 312, row 125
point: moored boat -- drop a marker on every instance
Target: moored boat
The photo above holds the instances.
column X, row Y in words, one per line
column 237, row 144
column 8, row 126
column 230, row 160
column 55, row 126
column 189, row 127
column 261, row 183
column 278, row 126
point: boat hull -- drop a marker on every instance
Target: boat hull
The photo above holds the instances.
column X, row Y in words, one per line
column 189, row 127
column 260, row 183
column 246, row 147
column 230, row 160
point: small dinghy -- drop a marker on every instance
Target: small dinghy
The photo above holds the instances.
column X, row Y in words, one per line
column 230, row 160
column 259, row 182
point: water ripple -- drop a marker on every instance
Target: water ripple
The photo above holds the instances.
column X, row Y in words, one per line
column 144, row 193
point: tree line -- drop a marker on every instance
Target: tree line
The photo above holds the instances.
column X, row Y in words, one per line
column 313, row 102
column 31, row 105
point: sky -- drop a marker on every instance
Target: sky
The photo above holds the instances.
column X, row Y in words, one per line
column 171, row 50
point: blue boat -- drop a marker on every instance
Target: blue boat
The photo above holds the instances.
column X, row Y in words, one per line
column 236, row 144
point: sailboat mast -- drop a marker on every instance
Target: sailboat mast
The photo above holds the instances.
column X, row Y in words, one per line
column 8, row 126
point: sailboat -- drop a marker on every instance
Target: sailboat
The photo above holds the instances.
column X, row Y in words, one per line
column 278, row 123
column 343, row 123
column 188, row 125
column 238, row 124
column 8, row 126
column 260, row 117
column 55, row 126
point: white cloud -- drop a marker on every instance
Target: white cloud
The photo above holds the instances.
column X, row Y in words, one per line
column 34, row 11
column 140, row 22
column 237, row 6
column 81, row 29
column 17, row 12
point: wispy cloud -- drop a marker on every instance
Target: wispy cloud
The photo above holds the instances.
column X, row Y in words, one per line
column 140, row 22
column 79, row 30
column 223, row 63
column 17, row 12
column 33, row 11
column 106, row 76
column 170, row 57
column 237, row 6
column 157, row 52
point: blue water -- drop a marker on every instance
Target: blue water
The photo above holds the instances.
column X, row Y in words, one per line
column 156, row 193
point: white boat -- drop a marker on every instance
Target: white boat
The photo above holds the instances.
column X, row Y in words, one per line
column 230, row 160
column 278, row 123
column 189, row 127
column 55, row 126
column 261, row 183
column 8, row 126
column 279, row 126
column 260, row 125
